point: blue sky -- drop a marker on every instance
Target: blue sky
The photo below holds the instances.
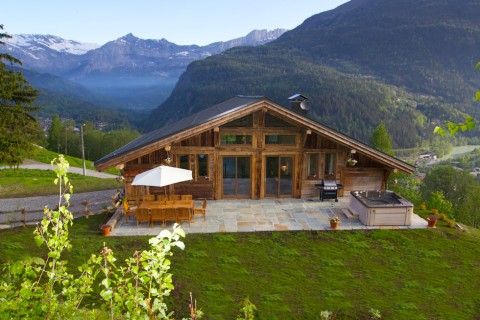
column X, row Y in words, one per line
column 178, row 21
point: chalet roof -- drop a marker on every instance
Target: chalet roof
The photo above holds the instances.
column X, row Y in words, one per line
column 239, row 105
column 191, row 121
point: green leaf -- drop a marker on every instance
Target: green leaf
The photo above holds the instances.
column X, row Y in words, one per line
column 106, row 294
column 439, row 130
column 180, row 232
column 154, row 241
column 471, row 125
column 39, row 241
column 477, row 96
column 106, row 282
column 180, row 244
column 477, row 67
column 39, row 261
column 164, row 234
column 452, row 127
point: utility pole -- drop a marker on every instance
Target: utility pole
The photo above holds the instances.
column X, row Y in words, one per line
column 83, row 150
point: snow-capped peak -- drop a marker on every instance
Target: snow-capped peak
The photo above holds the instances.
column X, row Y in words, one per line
column 53, row 42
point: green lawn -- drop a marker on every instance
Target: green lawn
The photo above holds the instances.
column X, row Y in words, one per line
column 409, row 274
column 31, row 182
column 46, row 156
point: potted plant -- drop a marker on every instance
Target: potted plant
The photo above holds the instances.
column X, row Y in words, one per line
column 432, row 221
column 105, row 229
column 334, row 222
column 351, row 162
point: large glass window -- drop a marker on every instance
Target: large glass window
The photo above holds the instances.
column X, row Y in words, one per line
column 245, row 122
column 280, row 139
column 236, row 139
column 330, row 165
column 183, row 161
column 271, row 121
column 202, row 161
column 313, row 166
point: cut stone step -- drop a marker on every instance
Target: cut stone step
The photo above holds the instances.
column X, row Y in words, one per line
column 350, row 215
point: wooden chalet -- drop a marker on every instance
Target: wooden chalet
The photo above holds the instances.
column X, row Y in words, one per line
column 250, row 147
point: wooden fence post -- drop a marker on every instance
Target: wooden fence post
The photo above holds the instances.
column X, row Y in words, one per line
column 85, row 203
column 23, row 217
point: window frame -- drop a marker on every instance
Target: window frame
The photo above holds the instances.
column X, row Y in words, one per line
column 197, row 162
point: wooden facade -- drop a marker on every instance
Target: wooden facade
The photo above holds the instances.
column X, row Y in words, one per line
column 260, row 150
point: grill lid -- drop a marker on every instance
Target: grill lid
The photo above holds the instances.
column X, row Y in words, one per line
column 330, row 184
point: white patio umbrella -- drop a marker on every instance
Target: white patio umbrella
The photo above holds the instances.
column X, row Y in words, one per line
column 162, row 176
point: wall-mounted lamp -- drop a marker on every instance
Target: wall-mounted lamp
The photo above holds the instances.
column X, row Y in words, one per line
column 167, row 159
column 284, row 167
column 309, row 132
column 353, row 151
column 120, row 166
column 216, row 129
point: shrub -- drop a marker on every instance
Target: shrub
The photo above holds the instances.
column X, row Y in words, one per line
column 437, row 200
column 451, row 223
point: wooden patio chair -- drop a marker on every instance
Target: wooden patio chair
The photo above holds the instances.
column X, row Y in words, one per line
column 201, row 210
column 156, row 215
column 184, row 214
column 169, row 214
column 174, row 197
column 186, row 197
column 142, row 215
column 129, row 211
column 161, row 197
column 148, row 197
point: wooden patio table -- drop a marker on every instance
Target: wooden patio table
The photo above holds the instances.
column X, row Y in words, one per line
column 174, row 205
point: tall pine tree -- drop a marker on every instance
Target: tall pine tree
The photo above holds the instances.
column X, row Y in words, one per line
column 18, row 128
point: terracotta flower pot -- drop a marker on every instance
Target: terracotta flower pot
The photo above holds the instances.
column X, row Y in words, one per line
column 334, row 224
column 105, row 231
column 431, row 222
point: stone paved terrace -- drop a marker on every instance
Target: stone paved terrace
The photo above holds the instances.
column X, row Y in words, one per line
column 263, row 215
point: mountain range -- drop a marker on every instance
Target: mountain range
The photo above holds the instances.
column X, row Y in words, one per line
column 405, row 63
column 127, row 73
column 408, row 64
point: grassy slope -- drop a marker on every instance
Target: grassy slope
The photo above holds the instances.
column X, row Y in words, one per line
column 33, row 182
column 414, row 274
column 46, row 156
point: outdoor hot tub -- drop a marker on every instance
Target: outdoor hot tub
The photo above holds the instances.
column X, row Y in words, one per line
column 381, row 208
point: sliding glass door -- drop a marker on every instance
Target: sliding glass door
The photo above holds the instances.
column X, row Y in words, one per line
column 236, row 176
column 279, row 176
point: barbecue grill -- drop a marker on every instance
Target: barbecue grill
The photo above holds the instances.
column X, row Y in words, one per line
column 329, row 189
